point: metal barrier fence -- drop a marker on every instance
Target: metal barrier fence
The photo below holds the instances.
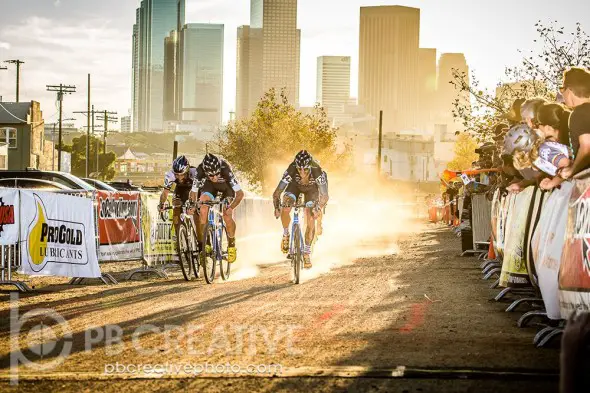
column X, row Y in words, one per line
column 481, row 219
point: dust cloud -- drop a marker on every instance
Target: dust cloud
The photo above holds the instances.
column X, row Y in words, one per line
column 365, row 218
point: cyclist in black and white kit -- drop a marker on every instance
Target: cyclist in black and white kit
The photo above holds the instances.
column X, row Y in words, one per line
column 214, row 176
column 304, row 176
column 182, row 175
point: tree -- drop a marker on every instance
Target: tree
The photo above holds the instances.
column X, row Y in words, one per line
column 464, row 153
column 106, row 171
column 259, row 146
column 538, row 75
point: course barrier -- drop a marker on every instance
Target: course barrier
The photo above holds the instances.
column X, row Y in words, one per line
column 541, row 247
column 68, row 233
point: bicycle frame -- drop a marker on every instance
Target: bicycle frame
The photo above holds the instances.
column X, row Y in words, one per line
column 215, row 220
column 295, row 222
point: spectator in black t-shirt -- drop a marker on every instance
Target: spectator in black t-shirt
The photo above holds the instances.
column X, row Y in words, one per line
column 576, row 94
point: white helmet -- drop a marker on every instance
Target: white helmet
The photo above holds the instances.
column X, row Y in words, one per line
column 521, row 137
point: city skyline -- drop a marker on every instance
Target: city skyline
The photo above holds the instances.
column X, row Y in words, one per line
column 90, row 40
column 267, row 54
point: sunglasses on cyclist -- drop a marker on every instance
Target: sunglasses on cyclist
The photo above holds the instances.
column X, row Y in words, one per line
column 213, row 174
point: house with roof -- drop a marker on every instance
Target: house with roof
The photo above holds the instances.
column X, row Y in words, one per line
column 22, row 130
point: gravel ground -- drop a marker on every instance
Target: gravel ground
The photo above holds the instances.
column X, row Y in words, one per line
column 422, row 306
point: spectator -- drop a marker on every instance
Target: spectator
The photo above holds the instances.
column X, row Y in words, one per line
column 554, row 152
column 575, row 354
column 576, row 94
column 529, row 109
column 519, row 138
column 513, row 115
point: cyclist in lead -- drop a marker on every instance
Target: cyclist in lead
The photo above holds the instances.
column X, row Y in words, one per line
column 183, row 175
column 303, row 176
column 214, row 176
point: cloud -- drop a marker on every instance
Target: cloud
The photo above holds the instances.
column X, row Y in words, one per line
column 58, row 51
column 57, row 3
column 4, row 45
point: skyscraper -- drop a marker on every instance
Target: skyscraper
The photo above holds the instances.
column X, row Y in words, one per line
column 268, row 53
column 154, row 21
column 333, row 83
column 135, row 75
column 201, row 73
column 426, row 87
column 170, row 76
column 388, row 64
column 446, row 92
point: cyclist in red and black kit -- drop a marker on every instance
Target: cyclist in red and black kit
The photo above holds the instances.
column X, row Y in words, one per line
column 183, row 175
column 303, row 176
column 214, row 176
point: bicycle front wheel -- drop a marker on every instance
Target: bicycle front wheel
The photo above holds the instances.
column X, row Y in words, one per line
column 194, row 252
column 184, row 252
column 297, row 254
column 210, row 257
column 224, row 265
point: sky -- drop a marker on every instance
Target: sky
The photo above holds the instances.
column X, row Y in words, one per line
column 61, row 41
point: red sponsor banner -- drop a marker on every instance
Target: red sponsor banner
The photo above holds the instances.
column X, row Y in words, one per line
column 574, row 272
column 119, row 225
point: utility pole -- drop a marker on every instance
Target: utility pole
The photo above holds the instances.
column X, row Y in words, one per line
column 61, row 90
column 18, row 63
column 88, row 128
column 380, row 143
column 104, row 115
column 175, row 150
column 106, row 118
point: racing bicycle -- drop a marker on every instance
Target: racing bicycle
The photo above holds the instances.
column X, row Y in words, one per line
column 296, row 242
column 215, row 235
column 186, row 244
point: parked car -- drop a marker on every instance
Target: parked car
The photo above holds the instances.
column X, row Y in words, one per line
column 99, row 185
column 33, row 184
column 125, row 186
column 66, row 179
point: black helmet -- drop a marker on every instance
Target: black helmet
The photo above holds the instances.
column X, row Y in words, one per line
column 303, row 159
column 180, row 165
column 211, row 164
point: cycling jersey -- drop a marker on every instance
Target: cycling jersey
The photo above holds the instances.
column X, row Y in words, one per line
column 226, row 178
column 316, row 177
column 170, row 179
column 315, row 186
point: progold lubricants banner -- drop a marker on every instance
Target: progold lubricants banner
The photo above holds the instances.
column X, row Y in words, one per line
column 119, row 225
column 57, row 235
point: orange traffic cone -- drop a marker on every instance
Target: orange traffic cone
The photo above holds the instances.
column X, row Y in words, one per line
column 491, row 252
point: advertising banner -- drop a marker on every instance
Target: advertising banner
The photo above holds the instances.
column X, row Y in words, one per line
column 9, row 213
column 514, row 270
column 57, row 235
column 574, row 271
column 547, row 246
column 119, row 226
column 159, row 245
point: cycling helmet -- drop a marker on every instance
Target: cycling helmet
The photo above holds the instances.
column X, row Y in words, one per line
column 520, row 137
column 303, row 159
column 180, row 165
column 211, row 164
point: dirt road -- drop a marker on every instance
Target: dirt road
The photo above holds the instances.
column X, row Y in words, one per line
column 415, row 318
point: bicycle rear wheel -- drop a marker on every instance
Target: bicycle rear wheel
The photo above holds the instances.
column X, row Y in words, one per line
column 184, row 252
column 224, row 265
column 210, row 259
column 297, row 254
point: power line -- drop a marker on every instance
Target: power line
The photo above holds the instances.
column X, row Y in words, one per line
column 61, row 90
